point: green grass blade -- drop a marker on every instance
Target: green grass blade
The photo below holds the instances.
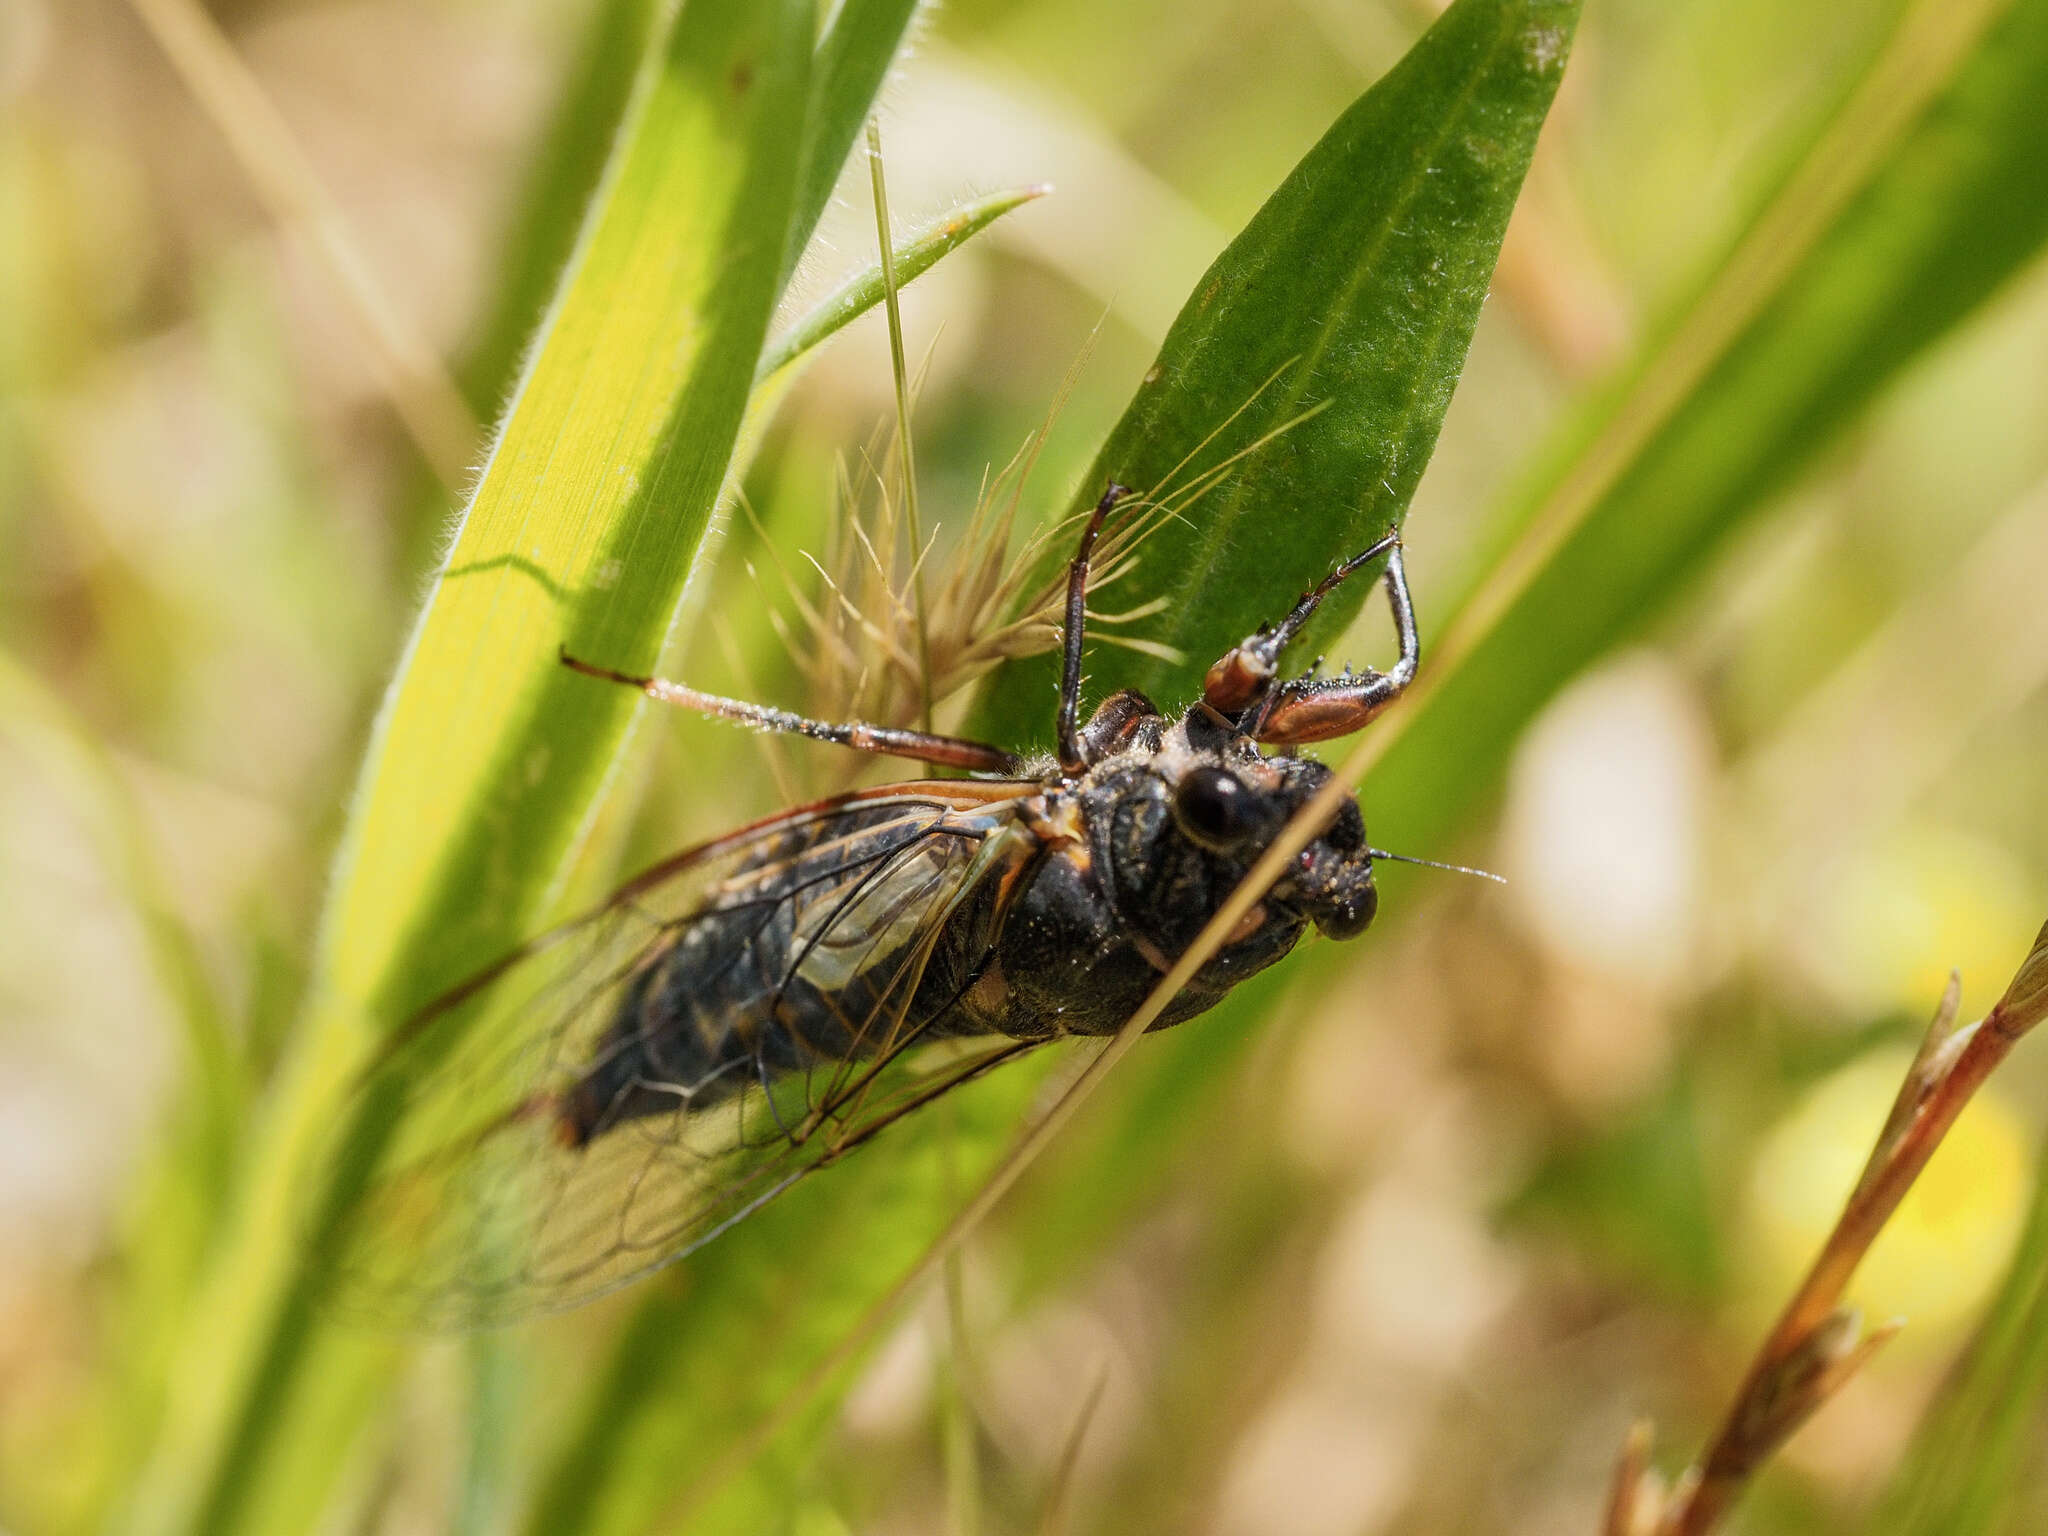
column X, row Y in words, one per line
column 847, row 70
column 853, row 59
column 863, row 291
column 38, row 720
column 1971, row 1453
column 582, row 530
column 565, row 171
column 1898, row 225
column 170, row 1225
column 1160, row 1119
column 501, row 1387
column 665, row 1438
column 1354, row 291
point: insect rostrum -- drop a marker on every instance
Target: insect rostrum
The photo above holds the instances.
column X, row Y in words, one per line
column 756, row 1007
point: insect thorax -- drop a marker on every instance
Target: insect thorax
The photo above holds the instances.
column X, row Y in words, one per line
column 1122, row 885
column 844, row 941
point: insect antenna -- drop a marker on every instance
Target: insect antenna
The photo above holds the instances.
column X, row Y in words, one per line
column 1456, row 869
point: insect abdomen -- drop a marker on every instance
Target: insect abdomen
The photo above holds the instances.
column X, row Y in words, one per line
column 823, row 955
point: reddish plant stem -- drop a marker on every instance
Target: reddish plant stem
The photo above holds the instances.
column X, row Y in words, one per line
column 1815, row 1346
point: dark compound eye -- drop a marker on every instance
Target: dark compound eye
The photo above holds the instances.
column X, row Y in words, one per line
column 1214, row 808
column 1352, row 916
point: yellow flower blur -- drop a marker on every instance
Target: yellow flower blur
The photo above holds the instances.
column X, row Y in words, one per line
column 1950, row 1240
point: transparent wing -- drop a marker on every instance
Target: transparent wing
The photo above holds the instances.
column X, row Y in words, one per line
column 622, row 1090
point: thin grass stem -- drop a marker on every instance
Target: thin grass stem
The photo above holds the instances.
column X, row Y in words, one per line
column 906, row 456
column 421, row 392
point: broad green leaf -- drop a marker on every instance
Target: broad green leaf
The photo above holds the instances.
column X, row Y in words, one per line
column 1920, row 199
column 692, row 1379
column 1337, row 320
column 581, row 531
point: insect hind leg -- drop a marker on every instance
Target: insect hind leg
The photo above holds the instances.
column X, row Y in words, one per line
column 860, row 735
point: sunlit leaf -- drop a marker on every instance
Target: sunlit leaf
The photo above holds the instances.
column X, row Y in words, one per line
column 581, row 531
column 1331, row 333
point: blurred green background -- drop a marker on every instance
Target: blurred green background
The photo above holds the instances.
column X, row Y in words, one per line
column 1404, row 1237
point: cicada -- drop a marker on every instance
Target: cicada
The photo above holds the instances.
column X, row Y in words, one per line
column 753, row 1009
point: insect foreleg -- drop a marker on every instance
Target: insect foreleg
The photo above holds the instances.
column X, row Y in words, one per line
column 882, row 740
column 1316, row 709
column 1245, row 675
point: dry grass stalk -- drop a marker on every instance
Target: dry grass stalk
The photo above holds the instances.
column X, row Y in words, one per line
column 1060, row 1493
column 1818, row 1344
column 422, row 394
column 892, row 627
